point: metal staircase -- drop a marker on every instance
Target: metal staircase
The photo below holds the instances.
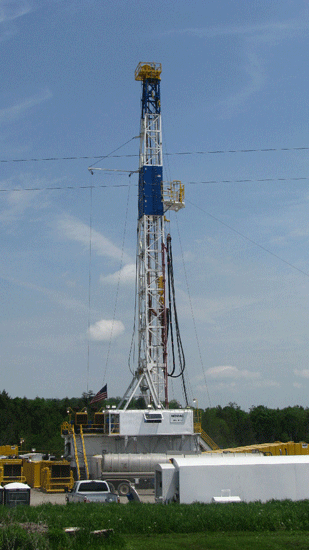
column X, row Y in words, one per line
column 205, row 441
column 80, row 454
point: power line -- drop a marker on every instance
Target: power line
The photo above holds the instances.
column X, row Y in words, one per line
column 89, row 289
column 53, row 158
column 118, row 287
column 192, row 312
column 109, row 186
column 75, row 188
column 248, row 239
column 114, row 151
column 214, row 152
column 226, row 151
column 260, row 180
column 70, row 187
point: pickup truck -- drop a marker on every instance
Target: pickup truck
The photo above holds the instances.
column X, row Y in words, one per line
column 94, row 490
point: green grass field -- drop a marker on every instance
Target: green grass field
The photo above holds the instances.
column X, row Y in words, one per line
column 220, row 541
column 273, row 525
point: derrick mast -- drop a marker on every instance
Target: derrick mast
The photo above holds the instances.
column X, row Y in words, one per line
column 150, row 377
column 150, row 256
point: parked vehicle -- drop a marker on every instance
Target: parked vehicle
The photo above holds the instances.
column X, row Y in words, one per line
column 94, row 490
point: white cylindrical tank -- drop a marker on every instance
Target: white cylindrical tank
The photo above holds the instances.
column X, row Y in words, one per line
column 133, row 462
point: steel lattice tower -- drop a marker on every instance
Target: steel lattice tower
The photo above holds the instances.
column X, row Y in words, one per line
column 151, row 375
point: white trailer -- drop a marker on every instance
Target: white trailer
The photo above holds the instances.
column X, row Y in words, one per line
column 231, row 478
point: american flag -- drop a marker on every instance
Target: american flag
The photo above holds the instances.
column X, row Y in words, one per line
column 102, row 394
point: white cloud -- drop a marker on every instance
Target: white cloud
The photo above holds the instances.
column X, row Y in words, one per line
column 126, row 275
column 228, row 377
column 60, row 298
column 250, row 37
column 304, row 373
column 105, row 329
column 263, row 29
column 231, row 379
column 208, row 309
column 10, row 9
column 228, row 371
column 10, row 114
column 266, row 384
column 255, row 72
column 78, row 231
column 17, row 203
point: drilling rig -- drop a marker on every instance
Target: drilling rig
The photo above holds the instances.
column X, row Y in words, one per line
column 151, row 375
column 118, row 433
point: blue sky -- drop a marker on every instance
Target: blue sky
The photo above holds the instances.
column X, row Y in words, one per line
column 234, row 78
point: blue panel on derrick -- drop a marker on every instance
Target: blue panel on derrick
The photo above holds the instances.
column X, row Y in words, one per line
column 150, row 200
column 151, row 97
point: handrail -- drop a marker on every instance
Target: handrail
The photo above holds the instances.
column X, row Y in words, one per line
column 208, row 440
column 148, row 70
column 198, row 429
column 55, row 484
column 84, row 452
column 76, row 454
column 66, row 428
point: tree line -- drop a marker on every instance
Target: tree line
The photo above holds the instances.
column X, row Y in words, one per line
column 36, row 422
column 230, row 426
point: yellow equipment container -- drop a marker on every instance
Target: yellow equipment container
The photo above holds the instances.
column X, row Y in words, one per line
column 56, row 476
column 11, row 469
column 32, row 471
column 49, row 475
column 9, row 450
column 273, row 449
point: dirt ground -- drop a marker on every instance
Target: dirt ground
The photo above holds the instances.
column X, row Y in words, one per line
column 38, row 497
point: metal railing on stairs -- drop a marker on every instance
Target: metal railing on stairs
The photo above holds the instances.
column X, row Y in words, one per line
column 84, row 453
column 199, row 430
column 78, row 436
column 76, row 454
column 209, row 441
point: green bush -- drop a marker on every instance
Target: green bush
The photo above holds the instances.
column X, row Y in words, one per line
column 14, row 537
column 150, row 519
